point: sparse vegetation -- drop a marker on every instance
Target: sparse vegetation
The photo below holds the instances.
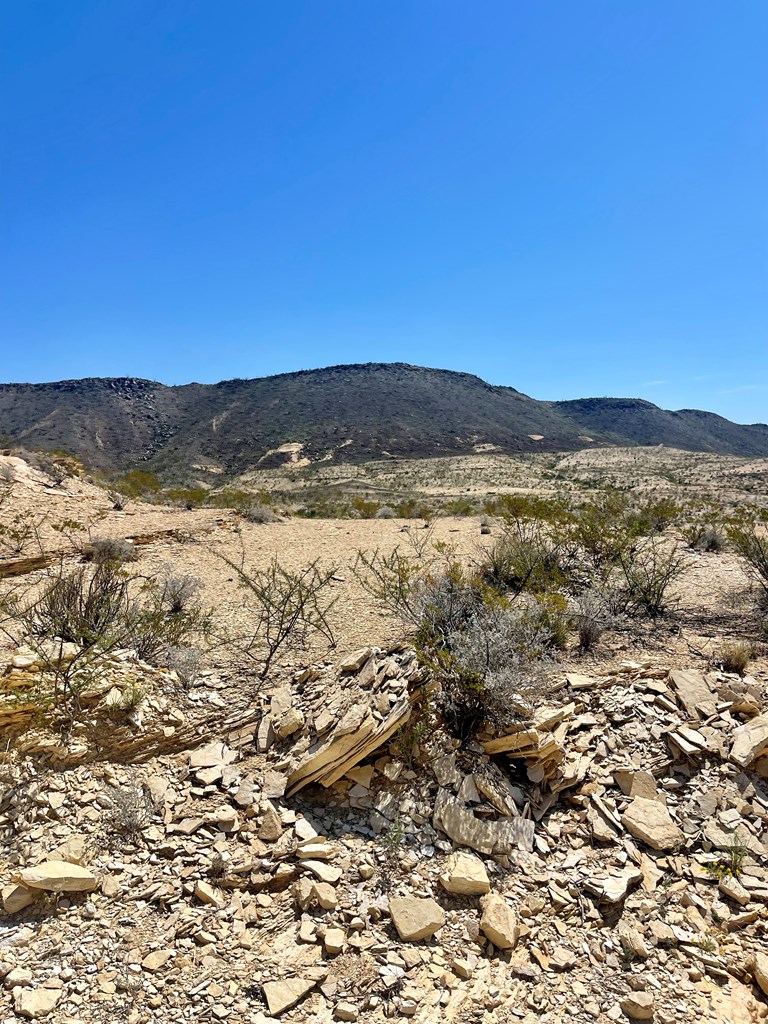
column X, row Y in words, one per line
column 735, row 656
column 288, row 606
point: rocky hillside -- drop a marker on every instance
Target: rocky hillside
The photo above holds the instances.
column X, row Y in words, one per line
column 341, row 413
column 293, row 860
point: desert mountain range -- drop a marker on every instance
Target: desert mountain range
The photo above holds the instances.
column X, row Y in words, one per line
column 350, row 413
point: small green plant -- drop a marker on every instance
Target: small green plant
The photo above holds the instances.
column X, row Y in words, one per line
column 732, row 861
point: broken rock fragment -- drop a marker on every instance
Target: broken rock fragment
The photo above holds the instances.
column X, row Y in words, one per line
column 415, row 918
column 465, row 875
column 651, row 822
column 638, row 1006
column 750, row 741
column 499, row 922
column 35, row 1003
column 282, row 995
column 58, row 876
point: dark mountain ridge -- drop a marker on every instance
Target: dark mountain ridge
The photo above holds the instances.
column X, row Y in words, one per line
column 348, row 413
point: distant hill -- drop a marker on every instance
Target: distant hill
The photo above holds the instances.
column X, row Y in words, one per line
column 340, row 413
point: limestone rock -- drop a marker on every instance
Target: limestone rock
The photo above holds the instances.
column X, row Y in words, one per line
column 761, row 971
column 499, row 922
column 34, row 1003
column 58, row 876
column 282, row 995
column 692, row 689
column 345, row 1011
column 357, row 735
column 750, row 741
column 416, row 918
column 156, row 959
column 638, row 1005
column 650, row 821
column 484, row 836
column 465, row 875
column 17, row 897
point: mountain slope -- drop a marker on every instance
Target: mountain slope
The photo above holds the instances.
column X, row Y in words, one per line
column 342, row 413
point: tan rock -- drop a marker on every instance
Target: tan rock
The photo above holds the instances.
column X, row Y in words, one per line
column 211, row 755
column 72, row 850
column 346, row 1011
column 156, row 959
column 322, row 870
column 499, row 922
column 17, row 897
column 334, row 941
column 692, row 689
column 270, row 827
column 35, row 1003
column 650, row 821
column 415, row 918
column 206, row 893
column 355, row 736
column 750, row 741
column 282, row 995
column 638, row 1005
column 484, row 836
column 325, row 895
column 58, row 876
column 465, row 875
column 761, row 971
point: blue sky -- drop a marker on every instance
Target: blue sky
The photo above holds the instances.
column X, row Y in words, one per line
column 569, row 197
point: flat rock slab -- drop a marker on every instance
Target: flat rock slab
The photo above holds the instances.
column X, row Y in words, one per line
column 750, row 741
column 650, row 821
column 35, row 1003
column 58, row 876
column 415, row 918
column 282, row 995
column 691, row 688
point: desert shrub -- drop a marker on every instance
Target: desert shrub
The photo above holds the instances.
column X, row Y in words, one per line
column 526, row 558
column 703, row 536
column 177, row 592
column 653, row 516
column 20, row 535
column 602, row 533
column 748, row 534
column 493, row 668
column 187, row 497
column 97, row 608
column 108, row 549
column 420, row 540
column 459, row 507
column 138, row 483
column 734, row 657
column 391, row 579
column 592, row 615
column 119, row 501
column 385, row 512
column 516, row 507
column 648, row 572
column 129, row 812
column 289, row 605
column 184, row 661
column 257, row 513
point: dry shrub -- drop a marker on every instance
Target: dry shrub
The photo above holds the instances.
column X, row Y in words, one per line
column 108, row 549
column 734, row 657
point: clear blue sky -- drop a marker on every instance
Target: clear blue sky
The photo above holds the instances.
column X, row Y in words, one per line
column 567, row 196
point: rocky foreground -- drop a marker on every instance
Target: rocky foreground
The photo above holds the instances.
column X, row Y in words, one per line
column 315, row 857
